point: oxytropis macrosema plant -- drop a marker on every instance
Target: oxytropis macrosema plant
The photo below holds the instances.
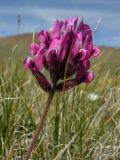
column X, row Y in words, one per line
column 64, row 51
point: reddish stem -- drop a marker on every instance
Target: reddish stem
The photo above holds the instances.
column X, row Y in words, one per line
column 40, row 125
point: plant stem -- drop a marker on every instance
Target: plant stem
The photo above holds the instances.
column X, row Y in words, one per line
column 40, row 125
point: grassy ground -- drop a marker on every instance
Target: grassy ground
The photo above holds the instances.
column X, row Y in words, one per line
column 82, row 124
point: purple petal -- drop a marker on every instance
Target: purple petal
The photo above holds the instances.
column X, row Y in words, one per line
column 41, row 36
column 52, row 57
column 63, row 48
column 61, row 23
column 34, row 48
column 86, row 64
column 39, row 60
column 76, row 45
column 67, row 21
column 54, row 44
column 39, row 56
column 42, row 81
column 80, row 26
column 70, row 25
column 68, row 84
column 89, row 77
column 84, row 54
column 81, row 70
column 80, row 73
column 55, row 52
column 88, row 43
column 45, row 63
column 86, row 27
column 74, row 21
column 83, row 27
column 56, row 30
column 47, row 38
column 95, row 52
column 44, row 37
column 29, row 64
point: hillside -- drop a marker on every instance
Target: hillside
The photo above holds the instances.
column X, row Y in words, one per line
column 19, row 46
column 20, row 42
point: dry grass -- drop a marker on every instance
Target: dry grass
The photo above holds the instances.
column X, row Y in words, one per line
column 78, row 127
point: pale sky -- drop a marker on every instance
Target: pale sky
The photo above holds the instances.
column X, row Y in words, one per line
column 38, row 14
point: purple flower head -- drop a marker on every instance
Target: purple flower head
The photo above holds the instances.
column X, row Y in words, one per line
column 64, row 51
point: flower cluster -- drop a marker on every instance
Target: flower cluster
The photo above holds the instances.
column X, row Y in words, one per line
column 64, row 51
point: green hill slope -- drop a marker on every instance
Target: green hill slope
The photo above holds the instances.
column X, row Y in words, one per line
column 18, row 46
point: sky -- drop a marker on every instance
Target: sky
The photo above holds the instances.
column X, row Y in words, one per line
column 39, row 14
